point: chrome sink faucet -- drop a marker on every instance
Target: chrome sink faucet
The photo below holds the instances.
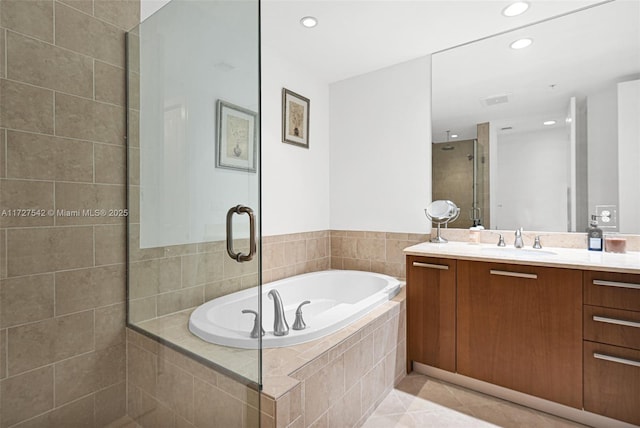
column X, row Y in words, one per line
column 518, row 243
column 280, row 326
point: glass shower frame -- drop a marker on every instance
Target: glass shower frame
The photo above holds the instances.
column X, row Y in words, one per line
column 181, row 184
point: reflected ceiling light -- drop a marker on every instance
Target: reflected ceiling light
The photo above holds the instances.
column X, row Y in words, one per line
column 549, row 122
column 309, row 22
column 454, row 135
column 515, row 9
column 521, row 43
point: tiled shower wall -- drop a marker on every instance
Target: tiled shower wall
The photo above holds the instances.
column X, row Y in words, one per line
column 62, row 127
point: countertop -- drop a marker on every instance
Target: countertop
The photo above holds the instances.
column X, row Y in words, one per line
column 570, row 258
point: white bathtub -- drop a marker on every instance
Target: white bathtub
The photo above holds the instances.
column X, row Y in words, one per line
column 338, row 297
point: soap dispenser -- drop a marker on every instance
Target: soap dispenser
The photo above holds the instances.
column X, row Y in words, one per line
column 594, row 235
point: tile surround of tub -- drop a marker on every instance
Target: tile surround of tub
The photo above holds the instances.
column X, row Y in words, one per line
column 336, row 380
column 62, row 301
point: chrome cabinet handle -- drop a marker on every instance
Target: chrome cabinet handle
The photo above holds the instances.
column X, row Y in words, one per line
column 240, row 257
column 616, row 321
column 616, row 359
column 616, row 284
column 516, row 274
column 430, row 266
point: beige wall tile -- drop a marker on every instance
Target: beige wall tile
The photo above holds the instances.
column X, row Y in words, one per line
column 111, row 404
column 26, row 195
column 3, row 353
column 234, row 269
column 150, row 277
column 134, row 80
column 178, row 300
column 107, row 202
column 142, row 367
column 78, row 290
column 26, row 395
column 77, row 414
column 175, row 389
column 155, row 414
column 110, row 244
column 42, row 64
column 274, row 255
column 26, row 107
column 316, row 248
column 347, row 411
column 26, row 299
column 83, row 5
column 373, row 386
column 31, row 251
column 89, row 120
column 358, row 360
column 110, row 82
column 34, row 17
column 86, row 373
column 142, row 309
column 110, row 164
column 125, row 13
column 222, row 288
column 316, row 396
column 214, row 407
column 356, row 264
column 3, row 254
column 371, row 249
column 2, row 54
column 34, row 345
column 295, row 252
column 202, row 268
column 136, row 253
column 134, row 128
column 87, row 35
column 109, row 326
column 43, row 157
column 134, row 166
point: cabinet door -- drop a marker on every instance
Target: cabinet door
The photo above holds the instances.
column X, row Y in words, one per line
column 521, row 327
column 431, row 312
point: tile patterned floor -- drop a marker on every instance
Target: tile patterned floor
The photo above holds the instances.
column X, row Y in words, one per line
column 419, row 402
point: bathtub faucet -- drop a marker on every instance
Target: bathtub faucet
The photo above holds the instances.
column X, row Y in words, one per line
column 280, row 326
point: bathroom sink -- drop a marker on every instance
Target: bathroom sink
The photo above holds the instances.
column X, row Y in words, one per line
column 515, row 252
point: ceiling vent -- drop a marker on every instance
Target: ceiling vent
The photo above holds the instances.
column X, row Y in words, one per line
column 495, row 100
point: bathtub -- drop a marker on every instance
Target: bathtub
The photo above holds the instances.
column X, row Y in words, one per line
column 338, row 298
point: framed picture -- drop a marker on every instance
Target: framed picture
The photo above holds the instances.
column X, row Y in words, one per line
column 295, row 119
column 237, row 137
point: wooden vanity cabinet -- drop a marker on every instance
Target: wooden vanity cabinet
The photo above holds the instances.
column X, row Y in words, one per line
column 612, row 345
column 431, row 312
column 520, row 327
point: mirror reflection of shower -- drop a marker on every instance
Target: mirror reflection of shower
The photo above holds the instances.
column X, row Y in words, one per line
column 460, row 172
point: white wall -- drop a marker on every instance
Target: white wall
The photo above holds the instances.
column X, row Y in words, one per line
column 380, row 151
column 629, row 155
column 533, row 190
column 602, row 151
column 295, row 180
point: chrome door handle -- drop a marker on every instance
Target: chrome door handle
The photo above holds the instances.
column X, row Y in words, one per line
column 430, row 266
column 616, row 359
column 240, row 257
column 616, row 321
column 616, row 284
column 516, row 274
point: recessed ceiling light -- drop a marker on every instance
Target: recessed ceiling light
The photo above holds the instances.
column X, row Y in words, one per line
column 521, row 43
column 549, row 122
column 515, row 9
column 309, row 21
column 454, row 135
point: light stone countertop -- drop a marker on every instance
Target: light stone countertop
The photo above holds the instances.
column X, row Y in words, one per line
column 571, row 258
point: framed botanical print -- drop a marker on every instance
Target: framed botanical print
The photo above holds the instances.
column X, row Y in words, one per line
column 295, row 119
column 237, row 137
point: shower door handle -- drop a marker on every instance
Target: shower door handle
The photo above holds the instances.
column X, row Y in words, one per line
column 240, row 257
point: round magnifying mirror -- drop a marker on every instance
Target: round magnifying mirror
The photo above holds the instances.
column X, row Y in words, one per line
column 441, row 212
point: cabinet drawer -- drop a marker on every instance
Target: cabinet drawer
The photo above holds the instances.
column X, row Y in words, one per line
column 612, row 326
column 612, row 381
column 612, row 290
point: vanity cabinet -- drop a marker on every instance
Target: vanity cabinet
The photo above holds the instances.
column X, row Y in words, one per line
column 612, row 345
column 431, row 312
column 520, row 327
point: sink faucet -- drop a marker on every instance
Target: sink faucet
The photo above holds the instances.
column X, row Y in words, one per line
column 280, row 326
column 518, row 242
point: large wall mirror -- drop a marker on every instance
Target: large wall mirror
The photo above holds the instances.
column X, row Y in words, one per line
column 544, row 136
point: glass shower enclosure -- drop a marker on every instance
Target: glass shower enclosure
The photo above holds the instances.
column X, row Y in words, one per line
column 194, row 172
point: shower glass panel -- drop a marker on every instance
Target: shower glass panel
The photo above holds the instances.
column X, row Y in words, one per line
column 194, row 155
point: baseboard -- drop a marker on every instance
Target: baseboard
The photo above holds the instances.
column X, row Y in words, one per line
column 577, row 415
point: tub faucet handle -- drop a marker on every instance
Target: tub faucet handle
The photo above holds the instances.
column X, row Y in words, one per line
column 257, row 328
column 299, row 323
